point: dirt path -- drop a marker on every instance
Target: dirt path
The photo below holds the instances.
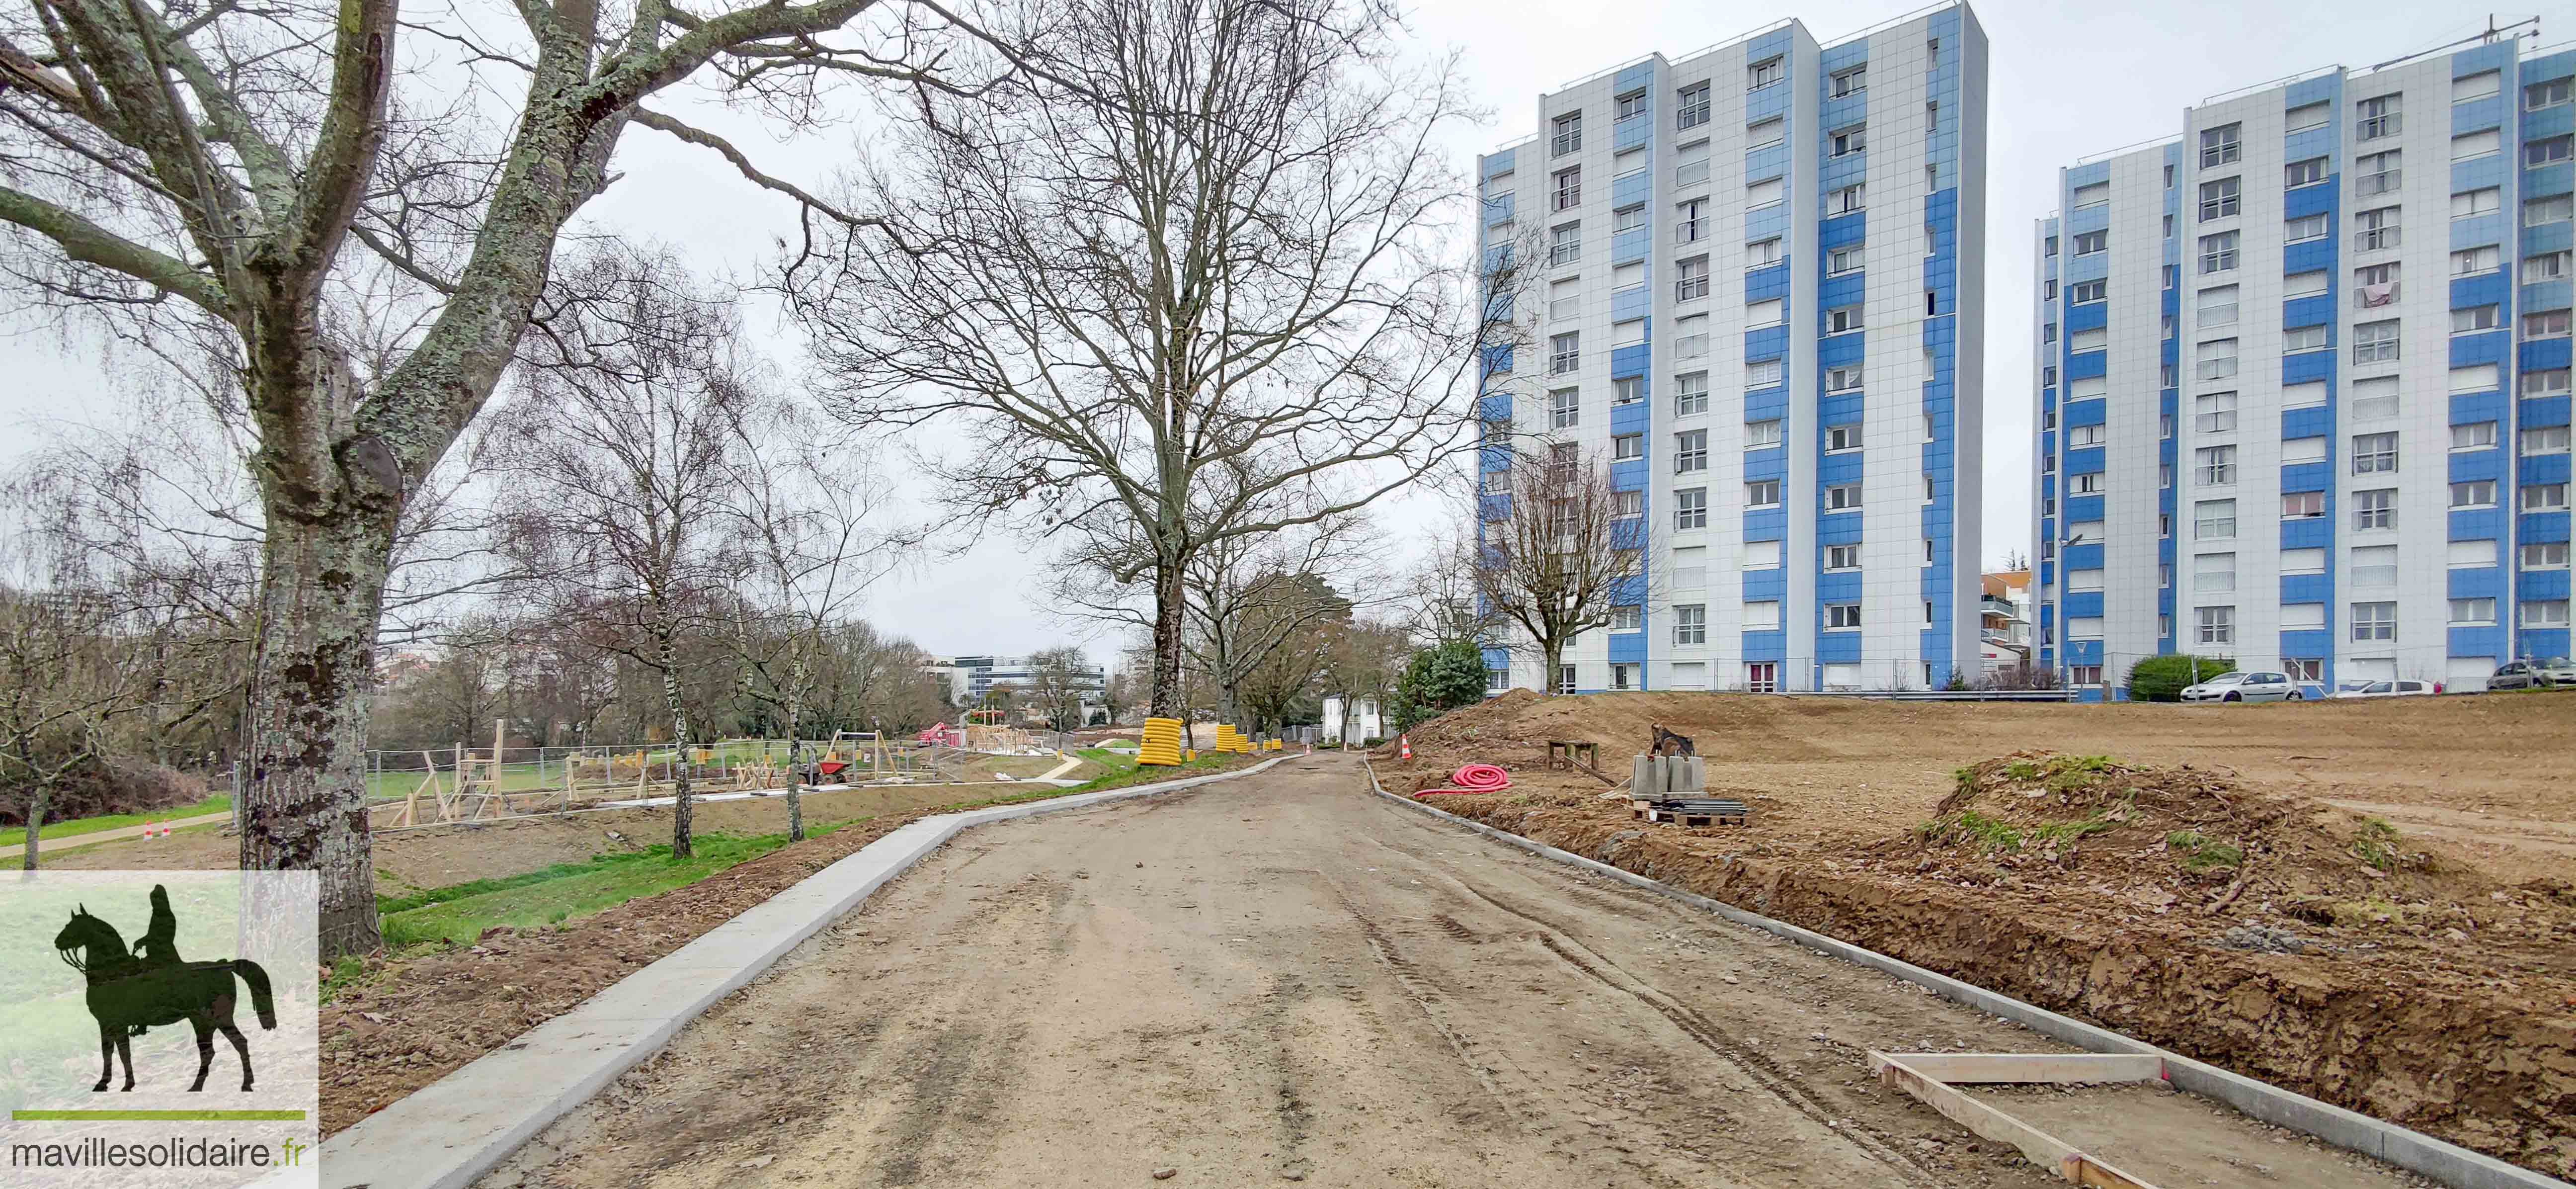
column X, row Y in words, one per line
column 1282, row 978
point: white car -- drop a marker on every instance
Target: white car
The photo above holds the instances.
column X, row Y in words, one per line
column 2389, row 689
column 2244, row 687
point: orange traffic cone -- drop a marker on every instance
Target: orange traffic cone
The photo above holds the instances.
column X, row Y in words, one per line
column 1404, row 746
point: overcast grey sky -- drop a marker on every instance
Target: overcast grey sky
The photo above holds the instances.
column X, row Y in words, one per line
column 2066, row 80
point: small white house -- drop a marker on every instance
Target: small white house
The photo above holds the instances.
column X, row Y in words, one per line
column 1353, row 722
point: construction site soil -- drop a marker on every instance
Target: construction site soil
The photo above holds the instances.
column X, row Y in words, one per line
column 2369, row 902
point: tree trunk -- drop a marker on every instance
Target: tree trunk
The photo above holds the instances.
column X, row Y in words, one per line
column 36, row 806
column 305, row 804
column 1554, row 658
column 667, row 655
column 1168, row 601
column 795, row 777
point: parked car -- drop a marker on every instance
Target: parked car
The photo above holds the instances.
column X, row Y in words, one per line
column 2389, row 689
column 2244, row 687
column 2532, row 674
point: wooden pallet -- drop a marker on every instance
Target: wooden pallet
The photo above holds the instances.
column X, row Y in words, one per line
column 1932, row 1078
column 1690, row 811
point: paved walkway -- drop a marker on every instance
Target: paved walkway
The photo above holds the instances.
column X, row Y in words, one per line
column 11, row 852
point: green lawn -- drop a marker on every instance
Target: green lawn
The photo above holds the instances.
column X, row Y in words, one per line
column 460, row 913
column 1110, row 758
column 217, row 803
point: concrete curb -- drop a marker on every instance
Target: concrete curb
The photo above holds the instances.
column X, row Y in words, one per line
column 452, row 1131
column 2446, row 1163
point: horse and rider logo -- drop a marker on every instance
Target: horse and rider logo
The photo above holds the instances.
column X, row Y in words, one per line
column 148, row 986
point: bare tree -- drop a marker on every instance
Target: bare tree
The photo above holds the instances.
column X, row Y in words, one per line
column 1059, row 680
column 190, row 178
column 809, row 552
column 1251, row 600
column 1188, row 280
column 620, row 462
column 1559, row 555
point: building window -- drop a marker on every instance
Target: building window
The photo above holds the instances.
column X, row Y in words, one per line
column 2219, row 146
column 2546, row 152
column 1567, row 245
column 2544, row 497
column 2378, row 173
column 2377, row 117
column 1691, row 223
column 1761, row 373
column 1569, row 134
column 2218, row 199
column 1842, row 438
column 1690, row 109
column 2303, row 505
column 2476, row 493
column 2473, row 435
column 2374, row 453
column 1626, row 447
column 2551, row 381
column 2085, row 197
column 2545, row 94
column 1844, row 260
column 2303, row 338
column 1760, row 435
column 2218, row 252
column 2087, row 292
column 1842, row 557
column 1841, row 497
column 2550, row 266
column 2213, row 412
column 2374, row 621
column 2375, row 285
column 1762, row 677
column 2469, row 204
column 1847, row 200
column 1850, row 140
column 1631, row 104
column 2305, row 227
column 1628, row 391
column 1565, row 679
column 2546, row 324
column 2214, row 465
column 1690, row 623
column 2545, row 439
column 2300, row 119
column 2471, row 261
column 2213, row 520
column 1690, row 451
column 1842, row 318
column 2379, row 228
column 2375, row 509
column 1852, row 81
column 2544, row 555
column 1762, row 493
column 2217, row 625
column 2214, row 360
column 1564, row 408
column 2304, row 173
column 1563, row 459
column 1569, row 188
column 2375, row 342
column 1627, row 618
column 1690, row 508
column 2474, row 319
column 2217, row 306
column 1564, row 352
column 1690, row 337
column 1842, row 617
column 2089, row 242
column 2544, row 613
column 1762, row 74
column 2081, row 436
column 1841, row 379
column 2556, row 208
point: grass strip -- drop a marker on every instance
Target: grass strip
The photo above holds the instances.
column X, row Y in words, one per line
column 217, row 803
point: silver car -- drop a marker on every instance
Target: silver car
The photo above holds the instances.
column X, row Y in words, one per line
column 2244, row 687
column 2532, row 674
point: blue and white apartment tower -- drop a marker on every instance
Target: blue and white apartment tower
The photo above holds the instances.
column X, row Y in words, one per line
column 2303, row 379
column 1763, row 296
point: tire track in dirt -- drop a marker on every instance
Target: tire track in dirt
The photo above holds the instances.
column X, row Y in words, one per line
column 1554, row 936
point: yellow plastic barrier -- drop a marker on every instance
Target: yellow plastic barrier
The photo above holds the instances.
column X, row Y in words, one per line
column 1161, row 742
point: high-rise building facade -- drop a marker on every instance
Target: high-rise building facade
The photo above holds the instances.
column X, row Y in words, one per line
column 1758, row 287
column 2303, row 380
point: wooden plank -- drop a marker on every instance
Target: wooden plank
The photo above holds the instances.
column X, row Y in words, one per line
column 1998, row 1068
column 2036, row 1146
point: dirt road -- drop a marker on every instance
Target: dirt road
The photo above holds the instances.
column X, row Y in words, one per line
column 1282, row 978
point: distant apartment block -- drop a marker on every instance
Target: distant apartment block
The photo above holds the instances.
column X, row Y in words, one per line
column 2303, row 379
column 1761, row 296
